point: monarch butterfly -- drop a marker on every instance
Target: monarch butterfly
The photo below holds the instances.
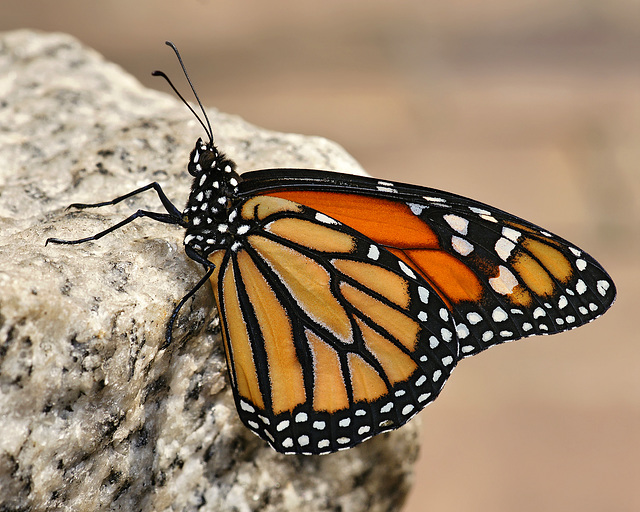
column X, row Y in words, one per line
column 345, row 302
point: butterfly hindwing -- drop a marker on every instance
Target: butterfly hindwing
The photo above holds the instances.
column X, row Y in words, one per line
column 330, row 338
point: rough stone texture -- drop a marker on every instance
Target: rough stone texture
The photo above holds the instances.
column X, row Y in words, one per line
column 93, row 415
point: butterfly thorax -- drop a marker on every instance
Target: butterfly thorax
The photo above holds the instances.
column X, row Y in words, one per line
column 209, row 210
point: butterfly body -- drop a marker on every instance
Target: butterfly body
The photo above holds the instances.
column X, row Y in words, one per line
column 209, row 213
column 345, row 302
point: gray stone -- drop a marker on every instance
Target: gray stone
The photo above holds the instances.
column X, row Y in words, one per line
column 93, row 414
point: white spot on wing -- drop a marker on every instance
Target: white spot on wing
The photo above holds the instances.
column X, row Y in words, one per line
column 457, row 223
column 602, row 286
column 461, row 246
column 505, row 282
column 462, row 331
column 474, row 318
column 483, row 214
column 499, row 315
column 374, row 253
column 282, row 425
column 446, row 334
column 321, row 217
column 487, row 336
column 246, row 407
column 386, row 408
column 538, row 313
column 416, row 209
column 407, row 409
column 363, row 430
column 434, row 199
column 504, row 247
column 406, row 269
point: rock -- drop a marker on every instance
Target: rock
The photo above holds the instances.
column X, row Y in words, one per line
column 93, row 414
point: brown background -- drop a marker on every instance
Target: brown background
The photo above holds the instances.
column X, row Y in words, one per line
column 532, row 106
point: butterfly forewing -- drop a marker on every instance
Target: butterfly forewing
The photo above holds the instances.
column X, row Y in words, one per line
column 330, row 338
column 502, row 278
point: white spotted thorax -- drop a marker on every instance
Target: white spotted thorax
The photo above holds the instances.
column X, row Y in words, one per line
column 210, row 211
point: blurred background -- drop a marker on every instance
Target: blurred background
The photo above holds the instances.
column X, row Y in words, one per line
column 531, row 106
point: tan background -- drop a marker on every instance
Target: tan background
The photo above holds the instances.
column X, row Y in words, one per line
column 532, row 106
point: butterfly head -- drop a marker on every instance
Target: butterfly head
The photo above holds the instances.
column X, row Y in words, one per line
column 204, row 156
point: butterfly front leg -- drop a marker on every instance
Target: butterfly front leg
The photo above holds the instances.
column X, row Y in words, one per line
column 173, row 215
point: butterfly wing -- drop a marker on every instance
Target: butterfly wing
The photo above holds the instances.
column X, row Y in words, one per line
column 501, row 277
column 330, row 338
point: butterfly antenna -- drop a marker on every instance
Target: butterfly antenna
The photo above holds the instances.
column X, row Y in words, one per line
column 207, row 128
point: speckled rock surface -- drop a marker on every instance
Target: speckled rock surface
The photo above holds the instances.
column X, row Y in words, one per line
column 93, row 415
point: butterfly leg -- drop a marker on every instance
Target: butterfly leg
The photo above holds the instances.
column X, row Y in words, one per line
column 160, row 217
column 210, row 267
column 173, row 215
column 168, row 205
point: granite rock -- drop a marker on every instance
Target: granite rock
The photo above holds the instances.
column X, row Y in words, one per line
column 94, row 415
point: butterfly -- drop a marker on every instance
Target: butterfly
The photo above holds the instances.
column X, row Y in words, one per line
column 345, row 302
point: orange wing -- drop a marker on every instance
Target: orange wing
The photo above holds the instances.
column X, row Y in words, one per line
column 501, row 277
column 330, row 338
